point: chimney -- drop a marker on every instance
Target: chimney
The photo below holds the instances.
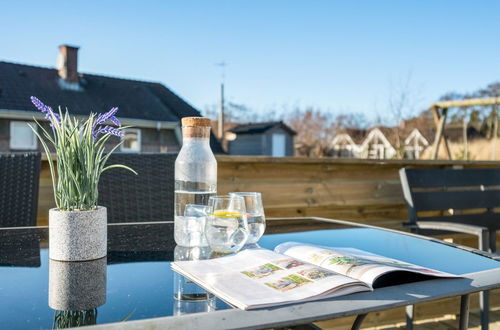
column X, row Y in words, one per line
column 67, row 64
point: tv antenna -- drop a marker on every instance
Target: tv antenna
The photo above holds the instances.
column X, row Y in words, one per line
column 222, row 66
column 220, row 121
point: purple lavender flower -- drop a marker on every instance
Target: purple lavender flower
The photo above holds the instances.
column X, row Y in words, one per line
column 115, row 121
column 98, row 127
column 110, row 130
column 101, row 119
column 49, row 113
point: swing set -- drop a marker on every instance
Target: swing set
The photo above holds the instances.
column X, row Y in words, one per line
column 440, row 111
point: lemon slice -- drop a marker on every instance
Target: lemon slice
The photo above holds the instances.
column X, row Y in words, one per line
column 226, row 214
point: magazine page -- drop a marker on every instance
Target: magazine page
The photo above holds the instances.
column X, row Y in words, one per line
column 257, row 278
column 358, row 264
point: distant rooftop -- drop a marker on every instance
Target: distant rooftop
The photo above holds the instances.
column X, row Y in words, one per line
column 255, row 128
column 135, row 99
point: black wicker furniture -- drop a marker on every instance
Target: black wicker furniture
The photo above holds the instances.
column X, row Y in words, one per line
column 148, row 196
column 19, row 180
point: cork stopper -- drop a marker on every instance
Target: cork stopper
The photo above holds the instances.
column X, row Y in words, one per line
column 195, row 127
column 195, row 122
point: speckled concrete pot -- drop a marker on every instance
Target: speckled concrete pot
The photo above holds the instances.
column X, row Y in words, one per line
column 77, row 235
column 76, row 286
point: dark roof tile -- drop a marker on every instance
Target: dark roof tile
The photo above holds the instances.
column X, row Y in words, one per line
column 255, row 128
column 135, row 99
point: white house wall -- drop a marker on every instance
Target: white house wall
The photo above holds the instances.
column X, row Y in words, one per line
column 389, row 151
column 415, row 144
column 340, row 138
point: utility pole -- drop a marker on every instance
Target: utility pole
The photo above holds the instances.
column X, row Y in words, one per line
column 495, row 132
column 220, row 121
column 221, row 113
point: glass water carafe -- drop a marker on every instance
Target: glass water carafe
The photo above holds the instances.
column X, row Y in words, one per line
column 195, row 182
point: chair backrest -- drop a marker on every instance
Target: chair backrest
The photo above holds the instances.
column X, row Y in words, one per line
column 19, row 181
column 148, row 196
column 453, row 191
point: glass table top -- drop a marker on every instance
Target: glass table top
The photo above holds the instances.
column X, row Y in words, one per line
column 137, row 281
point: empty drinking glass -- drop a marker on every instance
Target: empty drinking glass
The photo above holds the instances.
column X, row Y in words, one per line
column 255, row 215
column 226, row 227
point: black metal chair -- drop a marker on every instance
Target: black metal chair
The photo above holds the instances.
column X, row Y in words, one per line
column 19, row 181
column 148, row 196
column 451, row 192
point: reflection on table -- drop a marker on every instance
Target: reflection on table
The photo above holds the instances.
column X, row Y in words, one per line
column 76, row 289
column 188, row 296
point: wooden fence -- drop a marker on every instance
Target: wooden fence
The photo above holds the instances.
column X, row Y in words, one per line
column 352, row 189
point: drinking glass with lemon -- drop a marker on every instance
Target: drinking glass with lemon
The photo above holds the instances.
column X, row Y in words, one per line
column 226, row 227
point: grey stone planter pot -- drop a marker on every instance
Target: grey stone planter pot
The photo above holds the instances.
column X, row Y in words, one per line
column 77, row 286
column 77, row 235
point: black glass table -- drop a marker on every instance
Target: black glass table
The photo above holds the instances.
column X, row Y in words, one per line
column 135, row 282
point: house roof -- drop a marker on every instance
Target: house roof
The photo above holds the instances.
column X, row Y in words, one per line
column 135, row 99
column 227, row 126
column 256, row 128
column 424, row 123
column 455, row 132
column 390, row 133
column 357, row 134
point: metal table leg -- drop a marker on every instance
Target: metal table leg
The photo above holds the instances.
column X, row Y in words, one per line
column 484, row 304
column 464, row 312
column 409, row 317
column 357, row 322
column 493, row 241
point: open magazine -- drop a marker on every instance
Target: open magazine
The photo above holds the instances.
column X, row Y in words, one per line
column 297, row 272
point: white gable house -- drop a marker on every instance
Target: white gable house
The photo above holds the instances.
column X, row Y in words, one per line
column 379, row 143
column 415, row 144
column 343, row 146
column 377, row 146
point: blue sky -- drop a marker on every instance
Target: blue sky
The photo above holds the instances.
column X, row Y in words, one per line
column 337, row 56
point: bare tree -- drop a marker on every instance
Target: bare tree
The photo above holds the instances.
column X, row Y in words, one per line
column 240, row 113
column 352, row 120
column 402, row 104
column 314, row 131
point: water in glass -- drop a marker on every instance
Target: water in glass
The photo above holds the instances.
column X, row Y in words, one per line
column 226, row 228
column 255, row 215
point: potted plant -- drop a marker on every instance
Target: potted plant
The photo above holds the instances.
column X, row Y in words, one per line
column 77, row 226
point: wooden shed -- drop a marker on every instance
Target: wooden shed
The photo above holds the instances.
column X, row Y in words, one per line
column 269, row 139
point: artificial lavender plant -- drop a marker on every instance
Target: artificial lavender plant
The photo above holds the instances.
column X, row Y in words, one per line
column 80, row 153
